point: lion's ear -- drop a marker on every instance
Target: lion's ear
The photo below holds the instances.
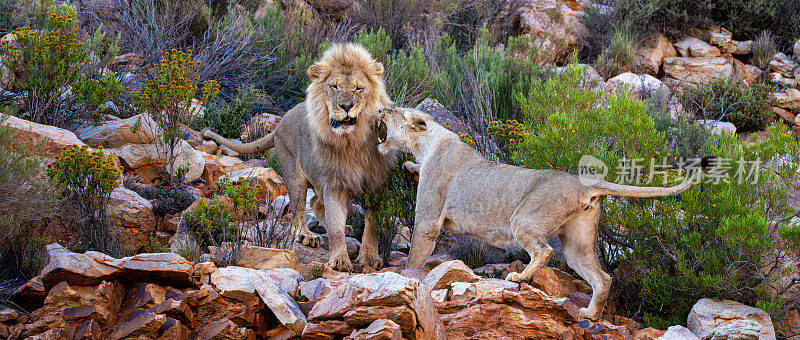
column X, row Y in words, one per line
column 377, row 69
column 318, row 71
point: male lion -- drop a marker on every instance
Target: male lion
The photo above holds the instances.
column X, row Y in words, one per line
column 327, row 143
column 502, row 204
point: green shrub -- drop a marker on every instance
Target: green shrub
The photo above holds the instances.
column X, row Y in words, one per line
column 50, row 61
column 764, row 49
column 406, row 73
column 167, row 98
column 747, row 107
column 227, row 120
column 711, row 241
column 88, row 178
column 24, row 201
column 617, row 57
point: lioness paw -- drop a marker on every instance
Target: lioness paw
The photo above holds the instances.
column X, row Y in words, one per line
column 370, row 260
column 310, row 240
column 587, row 314
column 341, row 263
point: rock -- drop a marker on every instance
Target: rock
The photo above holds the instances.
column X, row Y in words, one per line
column 73, row 268
column 547, row 281
column 40, row 139
column 498, row 313
column 132, row 216
column 787, row 116
column 8, row 315
column 126, row 61
column 116, row 133
column 552, row 24
column 402, row 240
column 698, row 70
column 461, row 290
column 648, row 333
column 716, row 126
column 286, row 278
column 207, row 146
column 789, row 323
column 789, row 101
column 168, row 268
column 784, row 65
column 741, row 71
column 365, row 298
column 636, row 85
column 648, row 59
column 678, row 332
column 725, row 319
column 448, row 272
column 442, row 115
column 693, row 47
column 224, row 329
column 720, row 36
column 30, row 295
column 738, row 47
column 218, row 165
column 439, row 295
column 380, row 329
column 271, row 184
column 570, row 284
column 353, row 246
column 279, row 302
column 146, row 159
column 315, row 289
column 267, row 258
column 783, row 81
column 143, row 326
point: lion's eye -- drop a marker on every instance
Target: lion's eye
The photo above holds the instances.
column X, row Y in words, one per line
column 335, row 87
column 358, row 89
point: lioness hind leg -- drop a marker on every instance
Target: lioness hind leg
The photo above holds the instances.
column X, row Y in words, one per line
column 580, row 249
column 540, row 252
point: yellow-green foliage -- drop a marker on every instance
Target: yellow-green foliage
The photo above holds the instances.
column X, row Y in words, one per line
column 95, row 93
column 168, row 100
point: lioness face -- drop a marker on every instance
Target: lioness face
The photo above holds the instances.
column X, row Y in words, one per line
column 346, row 96
column 399, row 128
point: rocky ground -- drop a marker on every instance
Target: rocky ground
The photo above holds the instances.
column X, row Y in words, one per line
column 163, row 296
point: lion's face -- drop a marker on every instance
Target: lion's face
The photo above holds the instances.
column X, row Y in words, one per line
column 347, row 81
column 399, row 128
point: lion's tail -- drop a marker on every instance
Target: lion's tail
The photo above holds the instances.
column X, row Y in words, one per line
column 262, row 144
column 621, row 190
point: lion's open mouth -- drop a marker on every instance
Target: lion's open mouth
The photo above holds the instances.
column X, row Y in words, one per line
column 347, row 121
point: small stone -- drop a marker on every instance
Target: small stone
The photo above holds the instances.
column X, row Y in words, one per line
column 448, row 272
column 380, row 329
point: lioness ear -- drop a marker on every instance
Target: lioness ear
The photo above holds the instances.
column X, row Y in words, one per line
column 419, row 124
column 377, row 69
column 317, row 72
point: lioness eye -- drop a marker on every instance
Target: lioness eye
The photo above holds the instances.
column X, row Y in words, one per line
column 334, row 87
column 358, row 89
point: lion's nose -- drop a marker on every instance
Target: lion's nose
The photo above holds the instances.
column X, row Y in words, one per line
column 347, row 107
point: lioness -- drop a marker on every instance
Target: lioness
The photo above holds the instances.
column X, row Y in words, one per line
column 502, row 204
column 327, row 143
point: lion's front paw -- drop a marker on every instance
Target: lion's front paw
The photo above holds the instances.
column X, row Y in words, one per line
column 309, row 239
column 370, row 260
column 515, row 277
column 341, row 262
column 588, row 314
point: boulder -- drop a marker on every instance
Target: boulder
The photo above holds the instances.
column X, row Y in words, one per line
column 725, row 319
column 147, row 160
column 525, row 314
column 168, row 268
column 132, row 216
column 787, row 116
column 207, row 146
column 118, row 132
column 145, row 325
column 315, row 289
column 31, row 294
column 74, row 268
column 693, row 47
column 443, row 275
column 546, row 280
column 678, row 332
column 224, row 328
column 783, row 64
column 217, row 166
column 719, row 36
column 738, row 47
column 789, row 101
column 40, row 139
column 716, row 126
column 365, row 298
column 271, row 184
column 635, row 84
column 286, row 278
column 648, row 58
column 698, row 70
column 380, row 329
column 267, row 258
column 552, row 24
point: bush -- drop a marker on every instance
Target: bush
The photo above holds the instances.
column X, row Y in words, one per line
column 88, row 178
column 747, row 107
column 168, row 100
column 25, row 200
column 764, row 49
column 167, row 200
column 50, row 62
column 617, row 57
column 227, row 119
column 714, row 240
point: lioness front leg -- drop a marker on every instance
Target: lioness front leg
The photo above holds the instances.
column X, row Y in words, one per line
column 368, row 255
column 336, row 205
column 423, row 240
